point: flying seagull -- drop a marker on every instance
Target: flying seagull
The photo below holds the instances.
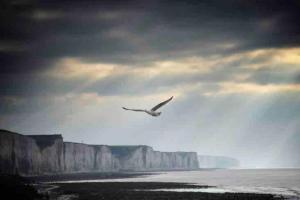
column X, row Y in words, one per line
column 153, row 110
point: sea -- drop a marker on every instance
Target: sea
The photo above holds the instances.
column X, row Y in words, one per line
column 283, row 182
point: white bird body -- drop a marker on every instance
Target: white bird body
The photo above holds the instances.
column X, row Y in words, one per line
column 151, row 112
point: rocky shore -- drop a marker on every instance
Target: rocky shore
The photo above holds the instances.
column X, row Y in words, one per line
column 33, row 188
column 17, row 187
column 142, row 190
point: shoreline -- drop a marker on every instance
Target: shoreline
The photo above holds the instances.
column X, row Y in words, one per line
column 127, row 190
column 60, row 187
column 86, row 176
column 148, row 191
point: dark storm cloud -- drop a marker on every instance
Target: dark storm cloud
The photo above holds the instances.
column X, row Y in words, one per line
column 36, row 34
column 153, row 30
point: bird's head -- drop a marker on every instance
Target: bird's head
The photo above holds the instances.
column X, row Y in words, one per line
column 158, row 113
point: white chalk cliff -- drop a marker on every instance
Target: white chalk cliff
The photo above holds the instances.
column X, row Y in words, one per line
column 47, row 154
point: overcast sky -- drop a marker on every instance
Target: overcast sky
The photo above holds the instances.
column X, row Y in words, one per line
column 232, row 66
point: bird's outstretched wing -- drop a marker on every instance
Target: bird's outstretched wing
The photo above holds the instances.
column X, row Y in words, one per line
column 138, row 110
column 161, row 104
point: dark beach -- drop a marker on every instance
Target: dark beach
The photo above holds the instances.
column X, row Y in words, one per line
column 37, row 188
column 141, row 190
column 85, row 176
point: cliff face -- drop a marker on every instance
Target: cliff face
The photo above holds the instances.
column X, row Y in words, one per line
column 101, row 158
column 171, row 160
column 87, row 158
column 50, row 149
column 41, row 154
column 26, row 155
column 144, row 158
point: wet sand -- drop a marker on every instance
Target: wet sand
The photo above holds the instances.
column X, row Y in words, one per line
column 17, row 187
column 142, row 190
column 85, row 176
